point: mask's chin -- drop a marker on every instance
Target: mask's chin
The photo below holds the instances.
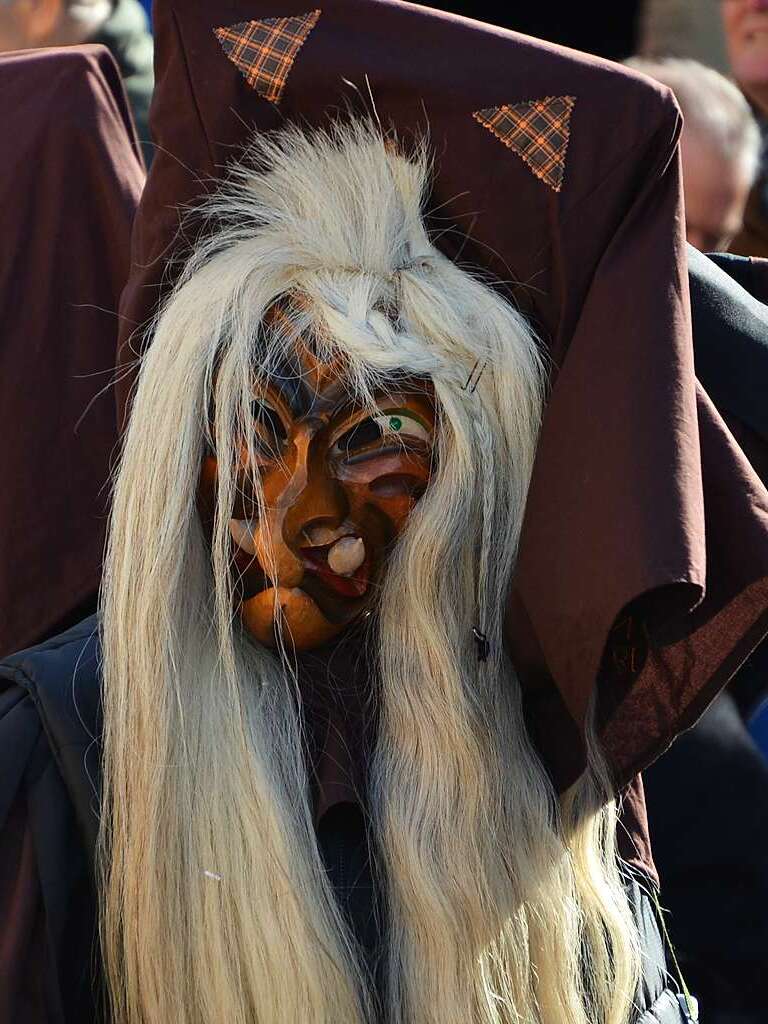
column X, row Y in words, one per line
column 304, row 626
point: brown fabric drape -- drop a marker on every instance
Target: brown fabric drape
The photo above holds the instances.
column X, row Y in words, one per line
column 70, row 180
column 632, row 577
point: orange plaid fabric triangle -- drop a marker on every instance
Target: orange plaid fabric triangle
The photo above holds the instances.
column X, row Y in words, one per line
column 537, row 130
column 264, row 51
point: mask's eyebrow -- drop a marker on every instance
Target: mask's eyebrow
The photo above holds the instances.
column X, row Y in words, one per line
column 398, row 385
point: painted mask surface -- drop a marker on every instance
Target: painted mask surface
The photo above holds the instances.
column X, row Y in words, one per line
column 339, row 482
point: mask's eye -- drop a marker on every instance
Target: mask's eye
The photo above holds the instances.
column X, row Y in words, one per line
column 403, row 423
column 270, row 434
column 398, row 427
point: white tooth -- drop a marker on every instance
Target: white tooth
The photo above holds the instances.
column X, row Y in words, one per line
column 346, row 555
column 244, row 534
column 319, row 536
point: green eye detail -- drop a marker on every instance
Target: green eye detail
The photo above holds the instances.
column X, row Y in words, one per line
column 374, row 431
column 404, row 423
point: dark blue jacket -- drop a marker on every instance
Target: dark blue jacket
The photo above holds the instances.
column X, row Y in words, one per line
column 50, row 727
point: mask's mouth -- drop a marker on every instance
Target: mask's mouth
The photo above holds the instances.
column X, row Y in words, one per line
column 339, row 559
column 344, row 565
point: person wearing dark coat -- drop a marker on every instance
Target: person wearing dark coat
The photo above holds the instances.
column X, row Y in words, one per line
column 70, row 183
column 69, row 188
column 707, row 797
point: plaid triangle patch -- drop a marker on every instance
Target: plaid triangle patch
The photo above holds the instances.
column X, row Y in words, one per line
column 264, row 51
column 537, row 130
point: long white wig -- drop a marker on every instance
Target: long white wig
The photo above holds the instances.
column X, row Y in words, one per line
column 504, row 905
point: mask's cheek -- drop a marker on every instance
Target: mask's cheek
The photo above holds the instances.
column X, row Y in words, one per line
column 244, row 507
column 392, row 484
column 304, row 625
column 248, row 575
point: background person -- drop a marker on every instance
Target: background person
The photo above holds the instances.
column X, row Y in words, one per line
column 745, row 24
column 720, row 148
column 706, row 797
column 120, row 25
column 63, row 108
column 682, row 28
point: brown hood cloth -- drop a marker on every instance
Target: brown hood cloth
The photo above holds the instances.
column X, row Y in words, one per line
column 70, row 180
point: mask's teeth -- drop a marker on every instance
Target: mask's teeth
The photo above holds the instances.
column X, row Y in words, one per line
column 346, row 555
column 320, row 536
column 244, row 534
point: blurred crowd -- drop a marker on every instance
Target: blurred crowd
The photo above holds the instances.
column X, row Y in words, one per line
column 707, row 797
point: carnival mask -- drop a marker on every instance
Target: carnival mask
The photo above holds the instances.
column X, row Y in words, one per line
column 339, row 482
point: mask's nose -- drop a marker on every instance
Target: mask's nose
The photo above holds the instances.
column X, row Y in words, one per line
column 309, row 502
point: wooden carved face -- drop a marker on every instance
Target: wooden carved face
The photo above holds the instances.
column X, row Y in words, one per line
column 339, row 483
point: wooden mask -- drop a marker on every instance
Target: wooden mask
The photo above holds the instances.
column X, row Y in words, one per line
column 339, row 482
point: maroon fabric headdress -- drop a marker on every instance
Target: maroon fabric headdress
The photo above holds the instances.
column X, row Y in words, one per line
column 643, row 569
column 70, row 180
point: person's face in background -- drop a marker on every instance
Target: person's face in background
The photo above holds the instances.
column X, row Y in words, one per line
column 716, row 192
column 27, row 24
column 745, row 23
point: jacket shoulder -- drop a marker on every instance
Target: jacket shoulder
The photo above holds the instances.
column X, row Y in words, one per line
column 55, row 687
column 62, row 678
column 49, row 666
